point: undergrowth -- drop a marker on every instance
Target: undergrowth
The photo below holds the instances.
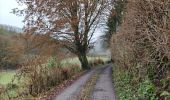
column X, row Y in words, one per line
column 128, row 89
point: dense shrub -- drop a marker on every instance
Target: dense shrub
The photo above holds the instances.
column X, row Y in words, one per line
column 147, row 90
column 141, row 47
column 36, row 78
column 51, row 62
column 42, row 77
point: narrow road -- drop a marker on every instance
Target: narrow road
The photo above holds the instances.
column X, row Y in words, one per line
column 102, row 91
column 104, row 87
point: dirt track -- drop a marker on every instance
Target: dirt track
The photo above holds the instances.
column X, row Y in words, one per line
column 103, row 89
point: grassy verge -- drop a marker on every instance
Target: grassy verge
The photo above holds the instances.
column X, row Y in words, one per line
column 123, row 87
column 128, row 87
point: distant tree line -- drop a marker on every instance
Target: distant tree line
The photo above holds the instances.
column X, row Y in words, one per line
column 6, row 55
column 9, row 29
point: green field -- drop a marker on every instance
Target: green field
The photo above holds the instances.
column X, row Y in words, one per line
column 6, row 77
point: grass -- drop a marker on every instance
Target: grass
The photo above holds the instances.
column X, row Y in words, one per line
column 127, row 88
column 6, row 77
column 76, row 60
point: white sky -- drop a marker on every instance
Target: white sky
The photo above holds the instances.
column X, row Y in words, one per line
column 8, row 18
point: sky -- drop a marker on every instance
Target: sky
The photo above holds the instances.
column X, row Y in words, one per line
column 8, row 18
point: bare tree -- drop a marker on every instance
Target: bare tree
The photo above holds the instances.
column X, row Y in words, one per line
column 72, row 21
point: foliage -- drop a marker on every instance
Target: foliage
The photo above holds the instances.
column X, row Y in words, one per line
column 36, row 78
column 73, row 23
column 114, row 20
column 43, row 77
column 6, row 54
column 125, row 89
column 141, row 49
column 51, row 62
column 147, row 90
column 3, row 53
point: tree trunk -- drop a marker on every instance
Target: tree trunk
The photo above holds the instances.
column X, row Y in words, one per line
column 84, row 62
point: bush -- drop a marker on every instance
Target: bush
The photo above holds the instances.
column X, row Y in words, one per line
column 125, row 88
column 42, row 77
column 147, row 90
column 51, row 62
column 141, row 47
column 12, row 86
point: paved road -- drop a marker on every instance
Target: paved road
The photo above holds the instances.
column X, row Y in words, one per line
column 104, row 88
column 102, row 91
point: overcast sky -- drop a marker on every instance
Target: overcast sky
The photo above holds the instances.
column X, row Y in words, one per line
column 8, row 18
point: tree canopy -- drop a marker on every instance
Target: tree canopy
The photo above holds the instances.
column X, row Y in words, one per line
column 114, row 20
column 73, row 22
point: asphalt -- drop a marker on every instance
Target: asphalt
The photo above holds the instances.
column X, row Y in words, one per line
column 103, row 89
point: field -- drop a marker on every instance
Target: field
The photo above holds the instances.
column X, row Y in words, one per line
column 6, row 77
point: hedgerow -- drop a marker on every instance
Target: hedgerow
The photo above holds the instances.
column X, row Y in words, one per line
column 141, row 51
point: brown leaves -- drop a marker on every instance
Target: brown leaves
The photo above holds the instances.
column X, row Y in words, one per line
column 143, row 39
column 78, row 16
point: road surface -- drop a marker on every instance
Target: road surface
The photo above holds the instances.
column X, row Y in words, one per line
column 103, row 89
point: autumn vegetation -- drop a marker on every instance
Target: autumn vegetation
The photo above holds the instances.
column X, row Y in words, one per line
column 141, row 50
column 73, row 23
column 34, row 64
column 56, row 32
